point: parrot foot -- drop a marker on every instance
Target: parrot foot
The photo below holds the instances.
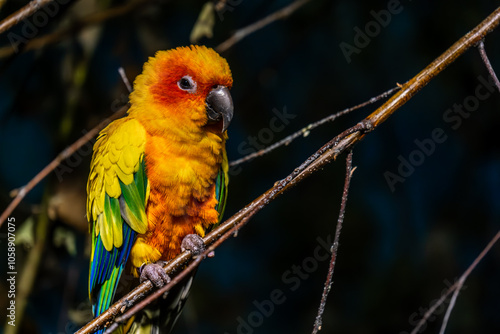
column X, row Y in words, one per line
column 193, row 243
column 155, row 273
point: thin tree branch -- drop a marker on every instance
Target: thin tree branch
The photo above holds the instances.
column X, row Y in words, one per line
column 305, row 130
column 20, row 193
column 125, row 80
column 22, row 14
column 329, row 278
column 318, row 160
column 244, row 32
column 410, row 88
column 454, row 288
column 76, row 26
column 486, row 60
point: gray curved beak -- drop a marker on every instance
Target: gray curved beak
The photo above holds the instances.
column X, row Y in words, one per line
column 219, row 106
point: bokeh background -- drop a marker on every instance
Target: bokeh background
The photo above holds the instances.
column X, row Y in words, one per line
column 400, row 247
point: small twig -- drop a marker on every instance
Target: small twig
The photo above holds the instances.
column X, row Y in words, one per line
column 22, row 14
column 454, row 288
column 57, row 161
column 305, row 130
column 486, row 61
column 125, row 79
column 329, row 278
column 244, row 32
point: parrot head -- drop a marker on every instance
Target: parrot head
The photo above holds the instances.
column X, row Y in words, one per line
column 188, row 87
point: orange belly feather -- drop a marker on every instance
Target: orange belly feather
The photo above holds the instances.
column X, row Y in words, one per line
column 182, row 195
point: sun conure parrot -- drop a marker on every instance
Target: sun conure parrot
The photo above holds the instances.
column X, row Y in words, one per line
column 157, row 175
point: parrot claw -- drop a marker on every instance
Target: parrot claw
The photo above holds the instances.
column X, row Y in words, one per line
column 155, row 273
column 193, row 243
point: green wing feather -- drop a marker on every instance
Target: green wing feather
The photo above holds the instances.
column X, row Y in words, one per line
column 221, row 183
column 118, row 191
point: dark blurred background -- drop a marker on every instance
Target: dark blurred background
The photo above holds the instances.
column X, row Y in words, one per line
column 402, row 243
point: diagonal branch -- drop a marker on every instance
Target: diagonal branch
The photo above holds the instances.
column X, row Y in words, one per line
column 250, row 29
column 410, row 88
column 22, row 14
column 344, row 141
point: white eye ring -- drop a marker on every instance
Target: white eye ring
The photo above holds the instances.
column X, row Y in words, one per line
column 187, row 83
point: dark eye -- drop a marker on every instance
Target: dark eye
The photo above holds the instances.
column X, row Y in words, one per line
column 187, row 83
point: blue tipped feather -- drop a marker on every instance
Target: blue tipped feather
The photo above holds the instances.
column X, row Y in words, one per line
column 106, row 270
